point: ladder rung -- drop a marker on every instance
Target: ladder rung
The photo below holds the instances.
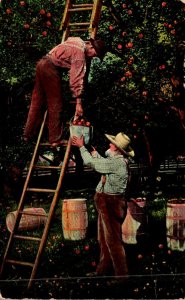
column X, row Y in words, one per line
column 65, row 142
column 17, row 262
column 27, row 238
column 40, row 190
column 80, row 29
column 79, row 9
column 82, row 5
column 80, row 24
column 45, row 144
column 46, row 167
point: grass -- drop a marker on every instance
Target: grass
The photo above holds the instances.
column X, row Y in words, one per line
column 156, row 271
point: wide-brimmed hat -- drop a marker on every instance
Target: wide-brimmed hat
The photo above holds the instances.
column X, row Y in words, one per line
column 100, row 47
column 122, row 142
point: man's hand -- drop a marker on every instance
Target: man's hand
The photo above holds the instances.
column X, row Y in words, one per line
column 79, row 142
column 79, row 110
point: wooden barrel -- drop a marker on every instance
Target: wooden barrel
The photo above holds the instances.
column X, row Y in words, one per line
column 27, row 221
column 135, row 221
column 74, row 219
column 175, row 224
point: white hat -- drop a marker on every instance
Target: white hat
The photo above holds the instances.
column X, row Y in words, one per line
column 122, row 142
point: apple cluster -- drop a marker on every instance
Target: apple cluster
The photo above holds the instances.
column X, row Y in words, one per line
column 81, row 122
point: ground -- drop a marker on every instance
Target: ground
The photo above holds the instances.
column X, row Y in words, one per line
column 155, row 270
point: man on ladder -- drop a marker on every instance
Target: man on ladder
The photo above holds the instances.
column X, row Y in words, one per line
column 72, row 54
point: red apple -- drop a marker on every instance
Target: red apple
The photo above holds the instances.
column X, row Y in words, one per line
column 111, row 27
column 86, row 247
column 77, row 251
column 123, row 78
column 42, row 11
column 144, row 93
column 130, row 61
column 124, row 5
column 162, row 67
column 129, row 45
column 128, row 74
column 140, row 256
column 44, row 33
column 120, row 46
column 129, row 12
column 140, row 35
column 173, row 32
column 48, row 15
column 87, row 123
column 26, row 26
column 22, row 3
column 164, row 4
column 8, row 11
column 9, row 43
column 123, row 33
column 48, row 23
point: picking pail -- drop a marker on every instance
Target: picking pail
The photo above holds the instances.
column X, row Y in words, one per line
column 79, row 130
column 74, row 219
column 27, row 221
column 175, row 224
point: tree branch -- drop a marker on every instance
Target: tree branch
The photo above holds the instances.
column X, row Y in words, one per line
column 113, row 12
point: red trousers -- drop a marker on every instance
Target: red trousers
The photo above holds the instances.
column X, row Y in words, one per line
column 47, row 94
column 111, row 214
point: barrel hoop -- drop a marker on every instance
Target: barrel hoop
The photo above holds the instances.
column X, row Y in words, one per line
column 175, row 217
column 80, row 210
column 175, row 205
column 70, row 229
column 176, row 237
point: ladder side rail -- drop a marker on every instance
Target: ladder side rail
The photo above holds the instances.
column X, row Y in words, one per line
column 65, row 21
column 21, row 203
column 95, row 17
column 50, row 214
column 65, row 15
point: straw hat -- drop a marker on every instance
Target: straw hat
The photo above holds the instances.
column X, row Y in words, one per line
column 122, row 142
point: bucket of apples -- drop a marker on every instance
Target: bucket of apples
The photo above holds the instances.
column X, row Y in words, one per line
column 81, row 126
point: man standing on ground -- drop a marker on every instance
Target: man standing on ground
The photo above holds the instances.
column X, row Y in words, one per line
column 110, row 200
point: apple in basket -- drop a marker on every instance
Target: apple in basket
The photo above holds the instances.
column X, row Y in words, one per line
column 81, row 122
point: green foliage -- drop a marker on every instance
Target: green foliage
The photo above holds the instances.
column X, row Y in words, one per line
column 157, row 208
column 125, row 89
column 28, row 30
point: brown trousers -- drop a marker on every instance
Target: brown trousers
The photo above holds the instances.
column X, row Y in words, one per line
column 111, row 214
column 47, row 94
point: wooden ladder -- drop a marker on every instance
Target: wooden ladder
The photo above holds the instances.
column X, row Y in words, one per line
column 20, row 210
column 27, row 189
column 75, row 11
